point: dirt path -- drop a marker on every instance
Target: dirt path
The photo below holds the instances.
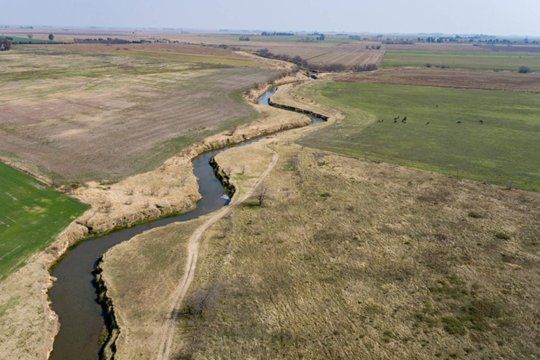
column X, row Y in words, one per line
column 180, row 292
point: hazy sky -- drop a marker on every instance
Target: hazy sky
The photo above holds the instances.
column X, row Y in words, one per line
column 501, row 17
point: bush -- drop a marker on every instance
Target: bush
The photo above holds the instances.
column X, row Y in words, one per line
column 364, row 67
column 5, row 44
column 524, row 69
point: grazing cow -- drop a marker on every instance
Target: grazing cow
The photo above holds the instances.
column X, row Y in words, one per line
column 404, row 120
column 396, row 118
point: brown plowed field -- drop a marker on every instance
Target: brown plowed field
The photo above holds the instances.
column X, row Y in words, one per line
column 464, row 79
column 94, row 112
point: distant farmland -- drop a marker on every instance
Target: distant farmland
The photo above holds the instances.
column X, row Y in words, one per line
column 474, row 60
column 333, row 50
column 484, row 135
column 326, row 55
column 95, row 112
column 31, row 215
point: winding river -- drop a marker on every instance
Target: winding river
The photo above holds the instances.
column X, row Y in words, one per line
column 74, row 297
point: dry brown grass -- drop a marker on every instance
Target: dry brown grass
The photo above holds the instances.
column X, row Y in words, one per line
column 142, row 274
column 348, row 259
column 151, row 263
column 353, row 259
column 81, row 113
column 464, row 79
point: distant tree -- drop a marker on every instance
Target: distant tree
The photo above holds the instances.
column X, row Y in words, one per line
column 262, row 195
column 524, row 69
column 5, row 44
column 51, row 37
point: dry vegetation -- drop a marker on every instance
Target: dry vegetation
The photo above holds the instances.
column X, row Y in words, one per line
column 509, row 81
column 94, row 112
column 142, row 274
column 349, row 259
column 359, row 259
column 27, row 324
column 339, row 51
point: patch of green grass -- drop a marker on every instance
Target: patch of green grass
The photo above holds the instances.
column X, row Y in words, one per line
column 23, row 40
column 31, row 216
column 478, row 134
column 462, row 59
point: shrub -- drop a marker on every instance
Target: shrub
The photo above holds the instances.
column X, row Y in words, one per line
column 5, row 44
column 524, row 69
column 502, row 236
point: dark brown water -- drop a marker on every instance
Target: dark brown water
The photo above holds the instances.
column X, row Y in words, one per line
column 74, row 297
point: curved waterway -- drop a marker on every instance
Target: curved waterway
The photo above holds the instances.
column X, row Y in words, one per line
column 74, row 297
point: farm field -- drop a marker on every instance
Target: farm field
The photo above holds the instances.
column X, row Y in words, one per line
column 452, row 78
column 474, row 60
column 477, row 134
column 77, row 113
column 31, row 216
column 333, row 50
column 360, row 260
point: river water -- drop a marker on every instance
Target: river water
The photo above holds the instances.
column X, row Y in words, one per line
column 74, row 297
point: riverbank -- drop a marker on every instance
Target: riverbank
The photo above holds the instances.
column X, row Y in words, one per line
column 24, row 294
column 130, row 292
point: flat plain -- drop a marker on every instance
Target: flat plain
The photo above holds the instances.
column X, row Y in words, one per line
column 449, row 78
column 473, row 60
column 78, row 113
column 478, row 134
column 31, row 216
column 333, row 50
column 360, row 260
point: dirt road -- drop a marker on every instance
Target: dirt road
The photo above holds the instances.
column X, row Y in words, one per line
column 180, row 292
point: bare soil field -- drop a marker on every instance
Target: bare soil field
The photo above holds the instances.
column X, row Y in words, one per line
column 79, row 113
column 332, row 51
column 463, row 79
column 463, row 47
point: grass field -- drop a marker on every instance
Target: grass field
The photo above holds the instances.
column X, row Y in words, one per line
column 31, row 215
column 359, row 260
column 452, row 78
column 26, row 40
column 96, row 112
column 443, row 131
column 475, row 60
